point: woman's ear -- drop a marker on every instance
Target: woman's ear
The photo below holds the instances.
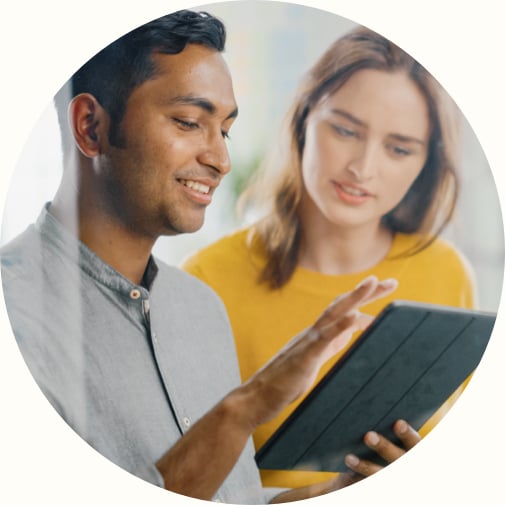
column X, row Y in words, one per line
column 88, row 123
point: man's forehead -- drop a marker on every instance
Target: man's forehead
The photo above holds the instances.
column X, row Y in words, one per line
column 197, row 73
column 194, row 60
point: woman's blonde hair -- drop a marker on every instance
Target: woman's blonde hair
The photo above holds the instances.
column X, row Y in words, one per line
column 429, row 203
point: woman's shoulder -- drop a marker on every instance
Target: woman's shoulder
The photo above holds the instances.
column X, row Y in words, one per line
column 440, row 254
column 439, row 247
column 229, row 248
column 442, row 268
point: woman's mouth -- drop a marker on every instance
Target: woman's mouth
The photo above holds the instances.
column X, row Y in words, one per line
column 350, row 194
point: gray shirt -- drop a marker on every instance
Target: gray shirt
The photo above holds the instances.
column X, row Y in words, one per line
column 130, row 369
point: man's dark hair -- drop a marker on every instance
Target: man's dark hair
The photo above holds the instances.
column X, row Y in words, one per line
column 113, row 73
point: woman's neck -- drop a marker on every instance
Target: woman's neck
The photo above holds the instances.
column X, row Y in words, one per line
column 335, row 250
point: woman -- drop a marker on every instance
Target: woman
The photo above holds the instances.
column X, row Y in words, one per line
column 364, row 185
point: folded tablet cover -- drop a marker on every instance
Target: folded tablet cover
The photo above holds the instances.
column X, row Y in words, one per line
column 404, row 366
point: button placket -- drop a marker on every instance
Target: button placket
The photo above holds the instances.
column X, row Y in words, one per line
column 147, row 314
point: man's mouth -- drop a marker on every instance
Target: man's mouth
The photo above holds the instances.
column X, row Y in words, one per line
column 197, row 186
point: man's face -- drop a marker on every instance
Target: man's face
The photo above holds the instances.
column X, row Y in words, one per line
column 175, row 153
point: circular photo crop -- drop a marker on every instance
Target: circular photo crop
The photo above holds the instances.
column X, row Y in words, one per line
column 252, row 251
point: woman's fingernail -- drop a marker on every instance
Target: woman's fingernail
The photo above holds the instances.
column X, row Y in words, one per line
column 351, row 460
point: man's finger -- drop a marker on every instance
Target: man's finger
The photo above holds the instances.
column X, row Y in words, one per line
column 408, row 435
column 384, row 288
column 347, row 302
column 361, row 466
column 383, row 447
column 332, row 338
column 366, row 292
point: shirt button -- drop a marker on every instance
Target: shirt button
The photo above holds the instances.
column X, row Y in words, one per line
column 186, row 421
column 155, row 337
column 135, row 294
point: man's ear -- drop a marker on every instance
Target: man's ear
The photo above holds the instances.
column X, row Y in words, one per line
column 88, row 120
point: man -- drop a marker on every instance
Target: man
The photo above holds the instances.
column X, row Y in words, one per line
column 137, row 356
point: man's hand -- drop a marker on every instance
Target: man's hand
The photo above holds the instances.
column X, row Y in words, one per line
column 294, row 369
column 311, row 491
column 359, row 469
column 221, row 434
column 384, row 448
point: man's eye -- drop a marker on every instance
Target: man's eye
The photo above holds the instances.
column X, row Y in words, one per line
column 225, row 134
column 187, row 125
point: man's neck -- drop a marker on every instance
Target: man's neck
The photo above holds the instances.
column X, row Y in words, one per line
column 112, row 242
column 126, row 253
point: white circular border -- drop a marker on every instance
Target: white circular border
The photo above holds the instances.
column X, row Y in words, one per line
column 43, row 43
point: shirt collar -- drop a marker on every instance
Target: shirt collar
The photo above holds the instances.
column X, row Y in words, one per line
column 72, row 248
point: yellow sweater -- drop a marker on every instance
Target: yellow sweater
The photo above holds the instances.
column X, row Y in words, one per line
column 263, row 320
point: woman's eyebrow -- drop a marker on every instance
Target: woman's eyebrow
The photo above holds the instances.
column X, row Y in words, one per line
column 397, row 136
column 407, row 138
column 348, row 116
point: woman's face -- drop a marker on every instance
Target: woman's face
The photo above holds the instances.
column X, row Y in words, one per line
column 364, row 147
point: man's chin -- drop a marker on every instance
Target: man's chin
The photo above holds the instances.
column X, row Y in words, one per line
column 181, row 228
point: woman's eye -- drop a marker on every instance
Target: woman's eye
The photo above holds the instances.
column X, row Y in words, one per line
column 187, row 125
column 344, row 132
column 400, row 151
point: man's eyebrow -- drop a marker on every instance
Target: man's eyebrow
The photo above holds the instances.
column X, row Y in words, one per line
column 356, row 121
column 202, row 103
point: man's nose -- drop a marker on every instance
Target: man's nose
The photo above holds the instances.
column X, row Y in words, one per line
column 215, row 154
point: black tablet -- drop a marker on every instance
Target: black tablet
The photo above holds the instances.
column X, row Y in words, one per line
column 405, row 365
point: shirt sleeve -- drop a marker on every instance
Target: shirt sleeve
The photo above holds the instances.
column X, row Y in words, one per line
column 151, row 474
column 271, row 492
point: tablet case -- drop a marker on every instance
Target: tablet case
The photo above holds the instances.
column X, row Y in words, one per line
column 405, row 365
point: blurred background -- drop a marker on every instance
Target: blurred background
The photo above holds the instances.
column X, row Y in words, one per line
column 269, row 46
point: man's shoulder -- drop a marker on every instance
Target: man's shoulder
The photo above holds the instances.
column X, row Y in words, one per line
column 17, row 255
column 190, row 303
column 174, row 282
column 19, row 242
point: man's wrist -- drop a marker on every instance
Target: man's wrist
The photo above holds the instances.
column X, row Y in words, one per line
column 242, row 407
